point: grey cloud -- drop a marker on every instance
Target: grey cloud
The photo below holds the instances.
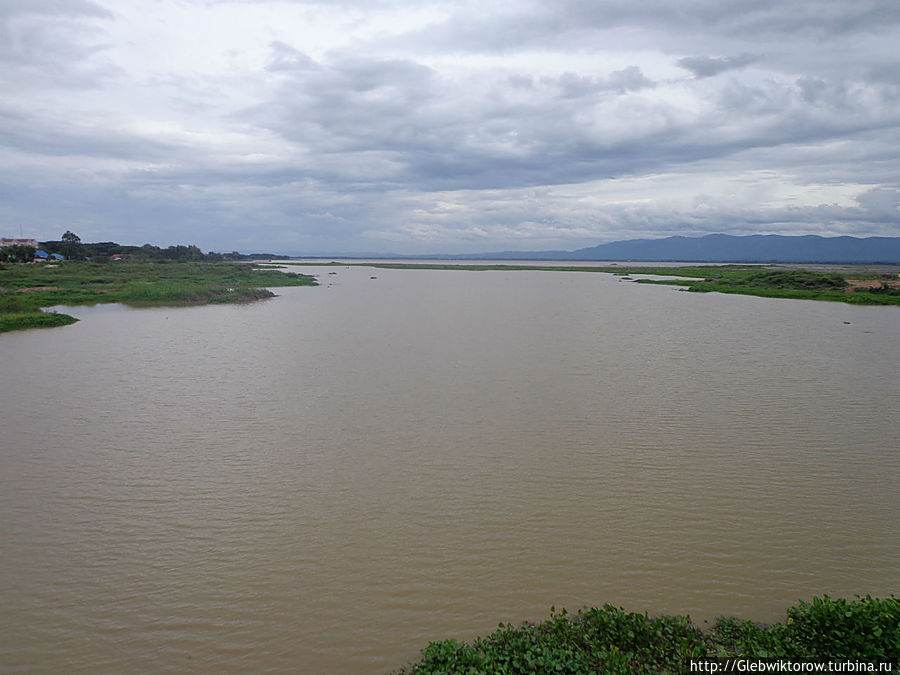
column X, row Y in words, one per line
column 812, row 89
column 653, row 24
column 628, row 79
column 71, row 8
column 756, row 18
column 403, row 118
column 396, row 118
column 366, row 74
column 821, row 18
column 342, row 4
column 521, row 81
column 882, row 202
column 708, row 66
column 349, row 104
column 283, row 57
column 861, row 98
column 57, row 137
column 809, row 110
column 48, row 41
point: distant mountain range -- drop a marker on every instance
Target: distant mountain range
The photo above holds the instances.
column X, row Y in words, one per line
column 758, row 248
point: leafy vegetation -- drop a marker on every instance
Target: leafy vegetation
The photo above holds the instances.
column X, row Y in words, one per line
column 26, row 288
column 16, row 253
column 796, row 279
column 884, row 289
column 71, row 247
column 866, row 629
column 610, row 640
column 798, row 284
column 74, row 249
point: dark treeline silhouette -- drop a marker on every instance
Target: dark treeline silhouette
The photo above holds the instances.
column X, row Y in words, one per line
column 71, row 246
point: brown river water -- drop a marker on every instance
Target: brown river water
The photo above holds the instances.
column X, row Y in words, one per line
column 326, row 481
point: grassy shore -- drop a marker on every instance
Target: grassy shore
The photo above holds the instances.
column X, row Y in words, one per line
column 610, row 640
column 859, row 288
column 27, row 288
column 800, row 284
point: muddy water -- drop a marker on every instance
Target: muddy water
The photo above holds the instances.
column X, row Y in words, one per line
column 326, row 481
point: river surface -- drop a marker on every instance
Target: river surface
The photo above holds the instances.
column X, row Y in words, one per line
column 325, row 481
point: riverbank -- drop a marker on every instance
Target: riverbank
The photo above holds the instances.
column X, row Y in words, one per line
column 863, row 285
column 610, row 640
column 26, row 289
column 858, row 288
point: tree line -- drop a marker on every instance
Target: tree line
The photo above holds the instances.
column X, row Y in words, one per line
column 71, row 247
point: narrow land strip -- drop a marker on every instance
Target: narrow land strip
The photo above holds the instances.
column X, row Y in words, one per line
column 863, row 285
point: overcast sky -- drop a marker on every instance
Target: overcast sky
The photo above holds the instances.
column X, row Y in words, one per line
column 420, row 126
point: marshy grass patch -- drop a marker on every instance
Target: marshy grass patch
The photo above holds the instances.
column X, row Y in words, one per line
column 27, row 288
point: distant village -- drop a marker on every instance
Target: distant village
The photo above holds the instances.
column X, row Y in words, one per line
column 25, row 250
column 70, row 247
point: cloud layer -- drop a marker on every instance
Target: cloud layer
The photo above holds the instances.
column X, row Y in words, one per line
column 429, row 126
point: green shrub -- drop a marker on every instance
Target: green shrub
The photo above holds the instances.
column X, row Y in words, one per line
column 795, row 279
column 884, row 289
column 865, row 629
column 610, row 640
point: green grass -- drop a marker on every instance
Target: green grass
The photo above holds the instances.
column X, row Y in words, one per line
column 19, row 320
column 610, row 640
column 796, row 284
column 26, row 288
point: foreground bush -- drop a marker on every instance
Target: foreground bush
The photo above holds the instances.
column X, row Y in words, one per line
column 866, row 629
column 610, row 640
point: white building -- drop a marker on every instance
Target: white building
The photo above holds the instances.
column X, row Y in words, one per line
column 10, row 241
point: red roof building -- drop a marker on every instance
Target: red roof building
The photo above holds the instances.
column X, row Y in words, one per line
column 9, row 241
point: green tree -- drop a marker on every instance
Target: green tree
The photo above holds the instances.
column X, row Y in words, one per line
column 71, row 245
column 17, row 253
